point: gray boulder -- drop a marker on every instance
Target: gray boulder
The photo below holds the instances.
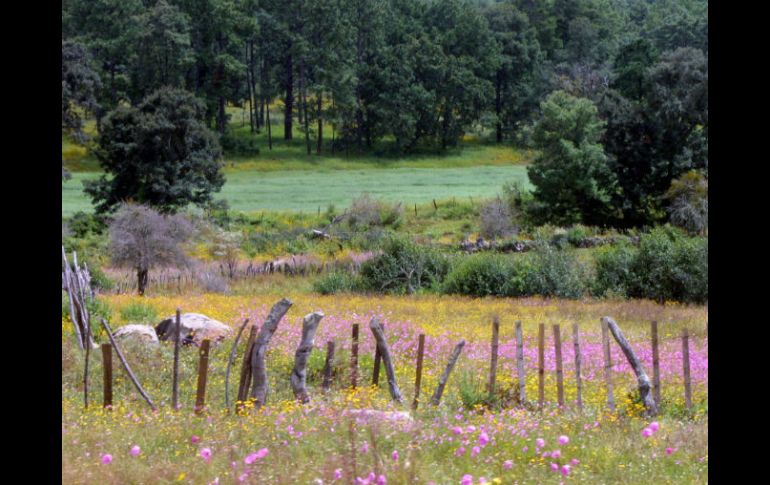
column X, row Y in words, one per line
column 194, row 328
column 142, row 333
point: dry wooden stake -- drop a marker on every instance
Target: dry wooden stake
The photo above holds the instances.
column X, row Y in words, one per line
column 245, row 381
column 655, row 363
column 230, row 363
column 125, row 365
column 541, row 366
column 107, row 369
column 203, row 369
column 645, row 388
column 436, row 399
column 175, row 374
column 377, row 359
column 520, row 364
column 387, row 360
column 258, row 367
column 559, row 368
column 327, row 383
column 301, row 356
column 354, row 358
column 576, row 339
column 686, row 364
column 607, row 366
column 493, row 358
column 85, row 370
column 418, row 373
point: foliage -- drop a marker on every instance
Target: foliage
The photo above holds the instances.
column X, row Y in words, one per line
column 488, row 274
column 404, row 266
column 338, row 282
column 366, row 212
column 159, row 153
column 614, row 270
column 139, row 313
column 555, row 272
column 688, row 202
column 496, row 220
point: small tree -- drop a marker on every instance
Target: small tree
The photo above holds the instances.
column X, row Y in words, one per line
column 496, row 220
column 160, row 153
column 689, row 202
column 141, row 238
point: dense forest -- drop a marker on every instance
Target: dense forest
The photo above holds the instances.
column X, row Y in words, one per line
column 613, row 93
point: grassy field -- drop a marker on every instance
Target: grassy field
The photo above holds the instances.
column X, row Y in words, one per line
column 323, row 443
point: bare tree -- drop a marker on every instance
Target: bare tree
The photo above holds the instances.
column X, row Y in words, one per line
column 141, row 238
column 497, row 220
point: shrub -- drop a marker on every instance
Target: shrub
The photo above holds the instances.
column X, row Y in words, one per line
column 554, row 272
column 577, row 234
column 138, row 313
column 614, row 270
column 366, row 212
column 689, row 203
column 487, row 274
column 212, row 282
column 337, row 282
column 496, row 220
column 81, row 224
column 404, row 267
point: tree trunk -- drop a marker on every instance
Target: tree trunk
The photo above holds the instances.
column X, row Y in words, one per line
column 249, row 81
column 299, row 374
column 269, row 130
column 289, row 104
column 258, row 368
column 303, row 94
column 320, row 125
column 499, row 105
column 141, row 280
column 644, row 382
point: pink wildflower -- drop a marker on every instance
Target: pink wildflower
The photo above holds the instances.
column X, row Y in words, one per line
column 338, row 473
column 556, row 454
column 206, row 454
column 262, row 453
column 647, row 432
column 574, row 462
column 195, row 439
column 565, row 470
column 467, row 480
column 554, row 467
column 106, row 459
column 460, row 451
column 508, row 464
column 563, row 440
column 135, row 450
column 669, row 450
column 483, row 438
column 540, row 442
column 394, row 455
column 457, row 430
column 381, row 480
column 654, row 426
column 475, row 451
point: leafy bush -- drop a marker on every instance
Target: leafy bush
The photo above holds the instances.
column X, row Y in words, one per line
column 337, row 282
column 366, row 212
column 577, row 234
column 614, row 270
column 138, row 313
column 404, row 267
column 487, row 274
column 689, row 202
column 239, row 145
column 554, row 272
column 81, row 224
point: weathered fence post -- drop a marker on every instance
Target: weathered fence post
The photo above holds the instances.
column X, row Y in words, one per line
column 436, row 399
column 520, row 364
column 125, row 365
column 493, row 357
column 299, row 373
column 258, row 367
column 559, row 368
column 655, row 363
column 327, row 383
column 175, row 374
column 354, row 358
column 230, row 363
column 203, row 369
column 387, row 360
column 645, row 389
column 576, row 338
column 607, row 366
column 418, row 372
column 245, row 381
column 686, row 369
column 85, row 369
column 107, row 370
column 377, row 359
column 541, row 366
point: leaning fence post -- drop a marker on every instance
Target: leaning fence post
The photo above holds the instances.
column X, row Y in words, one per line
column 493, row 358
column 387, row 359
column 107, row 369
column 327, row 382
column 418, row 372
column 576, row 338
column 436, row 399
column 175, row 374
column 607, row 366
column 230, row 363
column 686, row 369
column 559, row 369
column 245, row 381
column 354, row 358
column 655, row 364
column 203, row 369
column 645, row 388
column 541, row 366
column 125, row 365
column 520, row 364
column 377, row 359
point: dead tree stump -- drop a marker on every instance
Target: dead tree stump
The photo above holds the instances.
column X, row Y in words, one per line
column 258, row 367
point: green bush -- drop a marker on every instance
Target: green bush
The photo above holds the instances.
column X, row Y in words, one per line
column 555, row 272
column 487, row 274
column 670, row 266
column 614, row 270
column 577, row 234
column 404, row 267
column 138, row 313
column 338, row 282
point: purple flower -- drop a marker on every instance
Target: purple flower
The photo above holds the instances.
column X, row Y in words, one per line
column 206, row 454
column 475, row 451
column 565, row 470
column 106, row 459
column 563, row 440
column 483, row 438
column 467, row 480
column 508, row 464
column 394, row 455
column 135, row 450
column 647, row 432
column 540, row 442
column 338, row 473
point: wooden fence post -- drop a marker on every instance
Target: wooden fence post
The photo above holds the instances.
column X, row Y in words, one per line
column 607, row 366
column 686, row 369
column 354, row 358
column 655, row 364
column 377, row 359
column 387, row 360
column 258, row 366
column 107, row 369
column 126, row 367
column 327, row 382
column 245, row 380
column 299, row 374
column 645, row 388
column 559, row 368
column 541, row 366
column 576, row 338
column 436, row 399
column 520, row 364
column 493, row 358
column 203, row 369
column 230, row 363
column 418, row 372
column 175, row 372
